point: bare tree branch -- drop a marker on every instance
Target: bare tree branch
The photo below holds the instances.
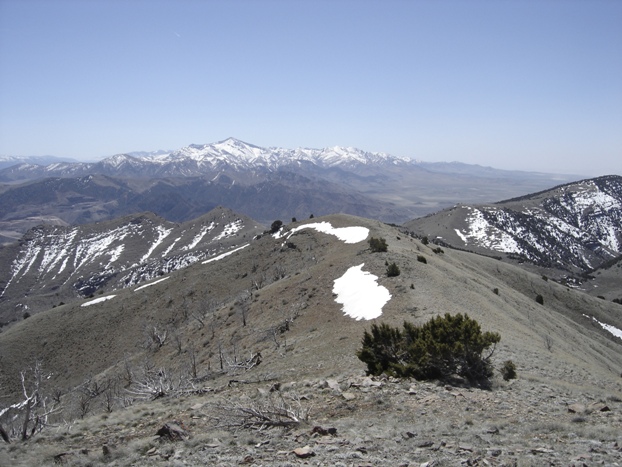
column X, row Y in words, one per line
column 275, row 412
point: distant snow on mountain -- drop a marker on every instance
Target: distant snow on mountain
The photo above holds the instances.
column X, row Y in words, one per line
column 8, row 161
column 202, row 159
column 574, row 227
column 244, row 156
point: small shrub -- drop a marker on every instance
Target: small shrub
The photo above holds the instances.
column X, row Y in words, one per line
column 425, row 240
column 412, row 286
column 393, row 270
column 378, row 245
column 422, row 259
column 444, row 346
column 545, row 278
column 293, row 219
column 540, row 299
column 508, row 370
column 438, row 250
column 276, row 226
column 495, row 291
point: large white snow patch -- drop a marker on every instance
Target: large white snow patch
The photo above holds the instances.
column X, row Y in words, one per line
column 345, row 234
column 360, row 294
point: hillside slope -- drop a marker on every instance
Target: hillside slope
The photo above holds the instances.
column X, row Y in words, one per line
column 572, row 229
column 54, row 264
column 276, row 298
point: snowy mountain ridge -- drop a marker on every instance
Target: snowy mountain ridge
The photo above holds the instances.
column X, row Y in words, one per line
column 78, row 260
column 205, row 159
column 575, row 227
column 243, row 155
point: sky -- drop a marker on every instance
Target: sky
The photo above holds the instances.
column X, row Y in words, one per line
column 529, row 85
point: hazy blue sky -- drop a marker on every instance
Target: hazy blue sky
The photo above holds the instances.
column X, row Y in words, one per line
column 533, row 85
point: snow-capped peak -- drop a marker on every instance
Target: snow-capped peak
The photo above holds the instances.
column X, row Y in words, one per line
column 239, row 154
column 119, row 159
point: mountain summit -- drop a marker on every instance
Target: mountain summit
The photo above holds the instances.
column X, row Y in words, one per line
column 241, row 155
column 204, row 159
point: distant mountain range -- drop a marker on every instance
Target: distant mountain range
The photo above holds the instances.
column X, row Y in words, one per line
column 229, row 155
column 263, row 183
column 9, row 161
column 199, row 160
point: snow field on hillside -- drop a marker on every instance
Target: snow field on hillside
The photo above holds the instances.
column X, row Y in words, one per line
column 608, row 327
column 359, row 293
column 219, row 257
column 345, row 234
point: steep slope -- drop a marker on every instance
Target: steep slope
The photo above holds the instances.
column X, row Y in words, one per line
column 277, row 298
column 572, row 228
column 52, row 264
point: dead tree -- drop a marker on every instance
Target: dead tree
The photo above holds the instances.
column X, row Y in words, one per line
column 253, row 361
column 275, row 412
column 31, row 414
column 89, row 391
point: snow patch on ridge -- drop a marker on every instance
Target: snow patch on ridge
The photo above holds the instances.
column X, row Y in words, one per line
column 345, row 234
column 203, row 232
column 229, row 230
column 98, row 300
column 162, row 234
column 360, row 294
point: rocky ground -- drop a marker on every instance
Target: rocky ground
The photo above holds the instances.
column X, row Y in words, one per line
column 346, row 421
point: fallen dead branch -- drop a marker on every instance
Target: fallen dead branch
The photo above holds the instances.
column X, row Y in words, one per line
column 273, row 412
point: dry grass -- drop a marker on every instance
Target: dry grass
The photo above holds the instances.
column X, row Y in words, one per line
column 318, row 342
